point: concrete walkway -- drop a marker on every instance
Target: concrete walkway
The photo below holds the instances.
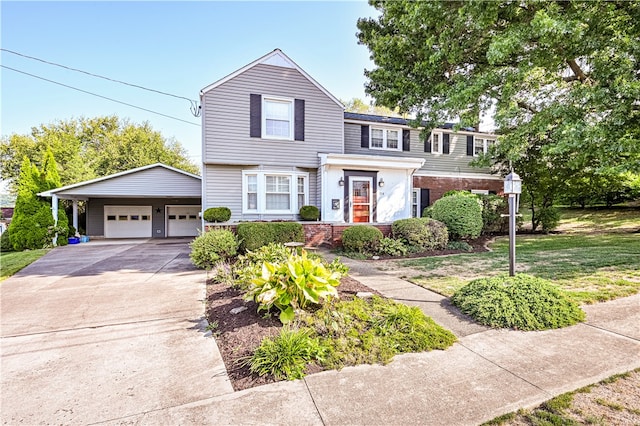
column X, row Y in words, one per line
column 486, row 374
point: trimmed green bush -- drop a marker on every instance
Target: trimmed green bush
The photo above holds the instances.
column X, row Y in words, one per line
column 309, row 213
column 217, row 214
column 253, row 235
column 461, row 214
column 212, row 247
column 458, row 192
column 5, row 242
column 362, row 239
column 420, row 234
column 522, row 302
column 426, row 212
column 459, row 245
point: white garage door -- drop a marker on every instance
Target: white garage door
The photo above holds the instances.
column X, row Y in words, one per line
column 127, row 221
column 183, row 221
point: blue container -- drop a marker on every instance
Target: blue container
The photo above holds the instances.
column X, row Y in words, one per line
column 74, row 240
column 84, row 239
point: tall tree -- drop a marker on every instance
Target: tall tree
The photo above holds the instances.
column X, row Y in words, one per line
column 562, row 76
column 91, row 147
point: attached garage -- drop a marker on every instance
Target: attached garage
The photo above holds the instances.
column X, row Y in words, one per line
column 155, row 201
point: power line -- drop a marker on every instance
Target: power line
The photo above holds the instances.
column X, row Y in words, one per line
column 99, row 96
column 195, row 109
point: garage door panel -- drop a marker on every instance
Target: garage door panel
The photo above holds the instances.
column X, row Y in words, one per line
column 183, row 221
column 127, row 221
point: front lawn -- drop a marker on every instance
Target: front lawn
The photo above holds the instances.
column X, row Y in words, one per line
column 12, row 262
column 593, row 267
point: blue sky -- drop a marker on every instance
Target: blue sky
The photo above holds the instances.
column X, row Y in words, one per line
column 175, row 47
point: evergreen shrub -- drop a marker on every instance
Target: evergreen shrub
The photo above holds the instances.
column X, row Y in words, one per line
column 212, row 247
column 309, row 213
column 217, row 214
column 253, row 235
column 522, row 302
column 362, row 239
column 461, row 214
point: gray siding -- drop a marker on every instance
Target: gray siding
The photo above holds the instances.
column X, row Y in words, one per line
column 95, row 212
column 226, row 120
column 456, row 161
column 153, row 182
column 224, row 189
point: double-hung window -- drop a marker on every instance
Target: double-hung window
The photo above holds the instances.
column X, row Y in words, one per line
column 415, row 203
column 277, row 118
column 385, row 139
column 436, row 142
column 267, row 192
column 482, row 145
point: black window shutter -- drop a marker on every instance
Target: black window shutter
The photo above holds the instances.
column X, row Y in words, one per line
column 469, row 145
column 445, row 143
column 406, row 140
column 424, row 199
column 298, row 124
column 364, row 136
column 255, row 116
column 427, row 144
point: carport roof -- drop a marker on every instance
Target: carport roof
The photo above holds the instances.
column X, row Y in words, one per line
column 155, row 180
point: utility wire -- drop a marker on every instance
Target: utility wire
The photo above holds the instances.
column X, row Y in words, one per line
column 195, row 109
column 99, row 96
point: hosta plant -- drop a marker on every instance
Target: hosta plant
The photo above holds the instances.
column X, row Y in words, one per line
column 292, row 285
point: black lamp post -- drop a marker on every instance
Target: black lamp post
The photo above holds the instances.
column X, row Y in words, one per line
column 512, row 188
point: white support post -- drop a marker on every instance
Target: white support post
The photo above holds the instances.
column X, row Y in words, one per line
column 54, row 213
column 75, row 214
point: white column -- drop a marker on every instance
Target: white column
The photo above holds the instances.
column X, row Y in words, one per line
column 75, row 214
column 54, row 213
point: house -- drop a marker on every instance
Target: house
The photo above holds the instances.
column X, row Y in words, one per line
column 150, row 201
column 274, row 139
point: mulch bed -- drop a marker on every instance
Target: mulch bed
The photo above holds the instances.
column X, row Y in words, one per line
column 237, row 335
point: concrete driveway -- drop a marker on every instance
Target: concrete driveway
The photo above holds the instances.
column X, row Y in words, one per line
column 100, row 331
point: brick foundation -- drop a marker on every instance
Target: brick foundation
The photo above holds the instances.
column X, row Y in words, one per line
column 437, row 186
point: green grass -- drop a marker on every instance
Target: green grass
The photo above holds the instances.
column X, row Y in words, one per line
column 561, row 410
column 12, row 262
column 593, row 267
column 599, row 219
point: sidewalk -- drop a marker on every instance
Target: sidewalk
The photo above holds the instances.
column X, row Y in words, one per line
column 486, row 374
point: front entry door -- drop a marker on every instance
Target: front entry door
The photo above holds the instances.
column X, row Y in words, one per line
column 361, row 197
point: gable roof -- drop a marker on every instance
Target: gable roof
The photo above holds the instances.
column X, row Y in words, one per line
column 392, row 120
column 276, row 58
column 99, row 182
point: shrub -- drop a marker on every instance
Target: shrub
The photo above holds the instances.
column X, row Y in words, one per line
column 459, row 245
column 362, row 238
column 286, row 355
column 392, row 247
column 426, row 212
column 439, row 233
column 309, row 213
column 253, row 235
column 213, row 246
column 217, row 214
column 493, row 206
column 5, row 242
column 461, row 214
column 549, row 218
column 420, row 234
column 522, row 302
column 459, row 192
column 293, row 285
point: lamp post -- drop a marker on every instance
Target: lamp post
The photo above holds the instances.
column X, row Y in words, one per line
column 512, row 188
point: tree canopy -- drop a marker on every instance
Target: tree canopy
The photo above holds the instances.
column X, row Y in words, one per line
column 560, row 77
column 87, row 148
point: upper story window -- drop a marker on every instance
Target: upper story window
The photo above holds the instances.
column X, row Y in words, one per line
column 482, row 145
column 385, row 139
column 274, row 192
column 277, row 118
column 436, row 142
